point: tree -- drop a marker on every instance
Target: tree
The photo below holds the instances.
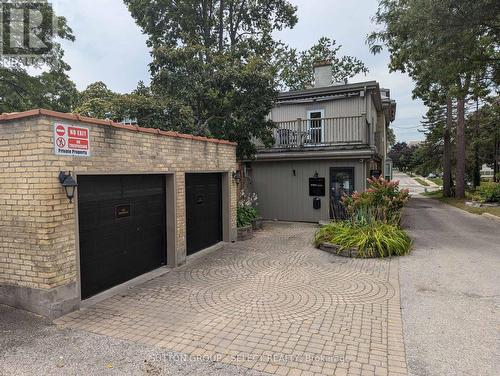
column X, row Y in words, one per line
column 391, row 137
column 96, row 101
column 447, row 175
column 461, row 57
column 212, row 60
column 150, row 111
column 14, row 55
column 401, row 155
column 296, row 68
column 52, row 89
column 482, row 133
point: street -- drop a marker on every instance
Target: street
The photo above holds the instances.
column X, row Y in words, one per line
column 414, row 187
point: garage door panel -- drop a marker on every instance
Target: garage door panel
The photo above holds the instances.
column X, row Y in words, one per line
column 116, row 246
column 203, row 211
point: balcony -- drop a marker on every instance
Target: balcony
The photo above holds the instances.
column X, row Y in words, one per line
column 320, row 132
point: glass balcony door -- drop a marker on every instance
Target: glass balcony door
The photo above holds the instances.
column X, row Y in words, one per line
column 315, row 127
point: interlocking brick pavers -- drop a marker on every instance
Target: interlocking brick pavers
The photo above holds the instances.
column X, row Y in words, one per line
column 273, row 303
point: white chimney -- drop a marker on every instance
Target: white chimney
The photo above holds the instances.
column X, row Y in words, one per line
column 322, row 74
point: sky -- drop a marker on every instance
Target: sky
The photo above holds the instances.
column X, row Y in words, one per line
column 110, row 47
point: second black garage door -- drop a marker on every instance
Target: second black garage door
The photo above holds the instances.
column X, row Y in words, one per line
column 203, row 211
column 122, row 229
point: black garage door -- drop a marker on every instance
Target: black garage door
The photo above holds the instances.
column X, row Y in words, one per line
column 122, row 228
column 203, row 211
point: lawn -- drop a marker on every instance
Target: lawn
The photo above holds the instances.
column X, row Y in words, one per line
column 437, row 181
column 438, row 195
column 421, row 182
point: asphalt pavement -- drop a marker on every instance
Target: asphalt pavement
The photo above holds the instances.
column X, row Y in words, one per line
column 450, row 289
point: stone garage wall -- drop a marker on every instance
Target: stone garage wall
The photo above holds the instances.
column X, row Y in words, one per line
column 38, row 224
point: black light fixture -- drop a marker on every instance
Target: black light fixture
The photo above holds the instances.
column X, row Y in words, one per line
column 69, row 184
column 237, row 177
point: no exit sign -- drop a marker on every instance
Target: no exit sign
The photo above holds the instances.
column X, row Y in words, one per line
column 71, row 140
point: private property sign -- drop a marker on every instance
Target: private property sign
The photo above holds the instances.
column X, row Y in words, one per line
column 71, row 140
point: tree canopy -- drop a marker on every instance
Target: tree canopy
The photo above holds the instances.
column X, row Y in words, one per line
column 449, row 47
column 52, row 89
column 296, row 68
column 211, row 62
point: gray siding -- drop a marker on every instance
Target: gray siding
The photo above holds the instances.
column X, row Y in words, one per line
column 333, row 108
column 283, row 196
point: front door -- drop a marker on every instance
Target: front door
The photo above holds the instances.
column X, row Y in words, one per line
column 341, row 183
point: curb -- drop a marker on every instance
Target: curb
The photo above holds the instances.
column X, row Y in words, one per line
column 491, row 216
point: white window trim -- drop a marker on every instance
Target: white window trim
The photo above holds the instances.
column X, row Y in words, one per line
column 322, row 111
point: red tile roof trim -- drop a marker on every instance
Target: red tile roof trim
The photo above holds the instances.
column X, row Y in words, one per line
column 83, row 119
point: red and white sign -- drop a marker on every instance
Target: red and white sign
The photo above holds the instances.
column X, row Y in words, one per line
column 71, row 140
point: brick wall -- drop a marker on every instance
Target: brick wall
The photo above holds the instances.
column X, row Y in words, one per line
column 37, row 223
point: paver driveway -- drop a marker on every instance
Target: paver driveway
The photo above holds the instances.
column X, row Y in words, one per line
column 274, row 304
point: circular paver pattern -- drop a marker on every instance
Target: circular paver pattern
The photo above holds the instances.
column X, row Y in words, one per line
column 269, row 289
column 261, row 300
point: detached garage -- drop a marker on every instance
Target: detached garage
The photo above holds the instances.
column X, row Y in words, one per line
column 88, row 204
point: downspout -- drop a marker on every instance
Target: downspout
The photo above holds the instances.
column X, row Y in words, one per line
column 368, row 110
column 366, row 113
column 366, row 163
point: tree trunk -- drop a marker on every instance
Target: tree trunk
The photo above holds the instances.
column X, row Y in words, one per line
column 497, row 159
column 221, row 26
column 460, row 172
column 477, row 164
column 447, row 180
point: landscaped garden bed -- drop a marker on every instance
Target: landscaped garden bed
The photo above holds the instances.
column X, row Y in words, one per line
column 373, row 228
column 484, row 200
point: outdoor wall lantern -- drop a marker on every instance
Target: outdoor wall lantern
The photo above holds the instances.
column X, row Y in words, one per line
column 237, row 177
column 69, row 184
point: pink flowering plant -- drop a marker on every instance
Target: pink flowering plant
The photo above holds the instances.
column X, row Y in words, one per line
column 383, row 201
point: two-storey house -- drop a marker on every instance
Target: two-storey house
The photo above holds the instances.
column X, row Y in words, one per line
column 328, row 140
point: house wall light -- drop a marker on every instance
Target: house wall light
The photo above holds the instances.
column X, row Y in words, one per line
column 237, row 177
column 69, row 184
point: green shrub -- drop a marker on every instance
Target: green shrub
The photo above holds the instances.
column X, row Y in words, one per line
column 488, row 192
column 245, row 215
column 247, row 209
column 376, row 239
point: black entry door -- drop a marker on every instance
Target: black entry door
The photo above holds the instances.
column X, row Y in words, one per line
column 203, row 211
column 122, row 229
column 341, row 183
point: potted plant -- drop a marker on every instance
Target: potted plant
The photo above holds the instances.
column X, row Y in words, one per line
column 245, row 228
column 248, row 215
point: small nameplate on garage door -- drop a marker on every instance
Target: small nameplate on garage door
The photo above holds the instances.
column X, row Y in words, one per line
column 122, row 211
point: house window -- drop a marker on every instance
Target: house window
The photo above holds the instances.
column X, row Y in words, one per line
column 315, row 126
